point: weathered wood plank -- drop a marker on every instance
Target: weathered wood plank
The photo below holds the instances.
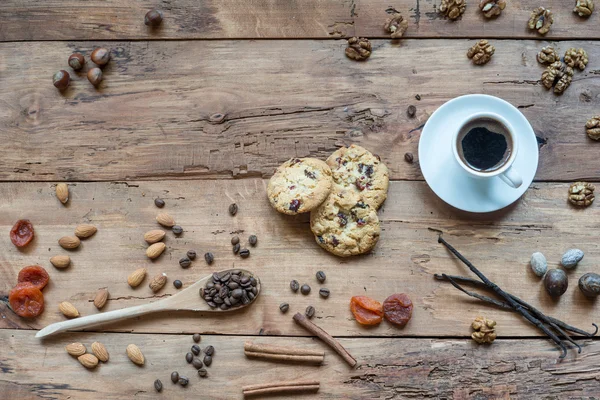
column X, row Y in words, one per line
column 388, row 369
column 151, row 117
column 236, row 19
column 403, row 261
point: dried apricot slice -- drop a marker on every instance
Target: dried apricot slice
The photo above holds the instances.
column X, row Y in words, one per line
column 398, row 308
column 21, row 233
column 366, row 310
column 26, row 300
column 35, row 275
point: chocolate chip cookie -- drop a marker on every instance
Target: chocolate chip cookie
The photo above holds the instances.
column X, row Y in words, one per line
column 299, row 185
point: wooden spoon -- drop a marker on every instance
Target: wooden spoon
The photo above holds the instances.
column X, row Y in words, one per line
column 188, row 299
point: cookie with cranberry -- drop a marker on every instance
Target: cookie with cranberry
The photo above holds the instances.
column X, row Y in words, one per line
column 299, row 185
column 357, row 170
column 345, row 225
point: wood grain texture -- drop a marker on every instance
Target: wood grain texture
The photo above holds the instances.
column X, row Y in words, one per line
column 259, row 19
column 212, row 110
column 404, row 260
column 388, row 369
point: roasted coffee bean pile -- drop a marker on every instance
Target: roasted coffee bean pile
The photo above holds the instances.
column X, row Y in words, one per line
column 192, row 357
column 229, row 289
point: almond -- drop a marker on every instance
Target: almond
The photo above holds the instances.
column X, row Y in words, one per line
column 135, row 354
column 100, row 299
column 88, row 360
column 155, row 250
column 165, row 220
column 136, row 277
column 69, row 242
column 62, row 192
column 75, row 349
column 154, row 236
column 84, row 231
column 100, row 351
column 60, row 261
column 158, row 282
column 68, row 309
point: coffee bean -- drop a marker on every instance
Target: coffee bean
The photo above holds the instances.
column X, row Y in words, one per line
column 236, row 248
column 211, row 304
column 177, row 230
column 217, row 300
column 196, row 349
column 284, row 307
column 197, row 337
column 215, row 276
column 233, row 209
column 209, row 258
column 202, row 372
column 174, row 376
column 252, row 240
column 197, row 363
column 244, row 280
column 254, row 291
column 321, row 276
column 305, row 289
column 233, row 285
column 189, row 357
column 158, row 385
column 245, row 299
column 191, row 254
column 251, row 295
column 411, row 111
column 409, row 158
column 237, row 293
column 253, row 281
column 235, row 240
column 184, row 262
column 160, row 203
column 183, row 380
column 310, row 311
column 209, row 350
column 244, row 253
column 225, row 277
column 177, row 283
column 324, row 292
column 207, row 361
column 233, row 300
column 294, row 285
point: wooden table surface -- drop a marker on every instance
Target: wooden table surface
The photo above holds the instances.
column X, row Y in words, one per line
column 276, row 72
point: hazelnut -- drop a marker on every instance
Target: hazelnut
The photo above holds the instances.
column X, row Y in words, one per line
column 94, row 75
column 76, row 61
column 153, row 18
column 61, row 79
column 100, row 56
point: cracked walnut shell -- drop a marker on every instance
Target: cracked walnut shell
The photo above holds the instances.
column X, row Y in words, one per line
column 547, row 55
column 593, row 127
column 453, row 8
column 541, row 20
column 558, row 75
column 492, row 8
column 481, row 52
column 584, row 8
column 581, row 193
column 358, row 49
column 396, row 25
column 576, row 58
column 485, row 330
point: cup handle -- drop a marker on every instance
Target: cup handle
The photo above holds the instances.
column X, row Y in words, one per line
column 512, row 178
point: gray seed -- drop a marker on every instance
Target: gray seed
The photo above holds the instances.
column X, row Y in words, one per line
column 539, row 265
column 571, row 258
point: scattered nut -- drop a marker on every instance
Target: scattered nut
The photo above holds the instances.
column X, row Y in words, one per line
column 589, row 284
column 492, row 8
column 100, row 56
column 88, row 360
column 539, row 265
column 481, row 52
column 61, row 79
column 68, row 310
column 94, row 75
column 75, row 349
column 411, row 111
column 453, row 8
column 581, row 193
column 155, row 250
column 358, row 49
column 84, row 231
column 576, row 58
column 571, row 258
column 158, row 282
column 135, row 354
column 76, row 61
column 233, row 209
column 62, row 192
column 556, row 282
column 136, row 277
column 60, row 261
column 100, row 351
column 153, row 18
column 559, row 75
column 153, row 236
column 101, row 298
column 548, row 55
column 409, row 158
column 165, row 220
column 541, row 20
column 485, row 330
column 69, row 242
column 593, row 127
column 396, row 25
column 584, row 8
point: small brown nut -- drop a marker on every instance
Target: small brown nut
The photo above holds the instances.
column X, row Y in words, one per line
column 62, row 192
column 136, row 277
column 60, row 261
column 548, row 55
column 492, row 8
column 75, row 349
column 584, row 8
column 84, row 231
column 61, row 79
column 484, row 330
column 100, row 56
column 101, row 298
column 76, row 61
column 540, row 20
column 155, row 250
column 94, row 75
column 593, row 127
column 576, row 58
column 481, row 52
column 69, row 242
column 358, row 49
column 68, row 310
column 88, row 360
column 165, row 220
column 559, row 75
column 153, row 18
column 135, row 354
column 153, row 236
column 453, row 8
column 100, row 351
column 158, row 282
column 581, row 194
column 396, row 25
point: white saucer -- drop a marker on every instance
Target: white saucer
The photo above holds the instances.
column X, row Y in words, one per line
column 448, row 180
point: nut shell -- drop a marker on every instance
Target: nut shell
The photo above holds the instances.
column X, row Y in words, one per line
column 61, row 79
column 60, row 261
column 135, row 354
column 84, row 231
column 589, row 284
column 76, row 349
column 100, row 351
column 88, row 360
column 69, row 242
column 68, row 310
column 76, row 61
column 136, row 277
column 100, row 56
column 155, row 250
column 62, row 192
column 101, row 298
column 94, row 75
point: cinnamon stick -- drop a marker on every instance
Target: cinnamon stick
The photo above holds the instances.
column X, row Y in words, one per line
column 280, row 384
column 281, row 390
column 268, row 348
column 285, row 357
column 326, row 337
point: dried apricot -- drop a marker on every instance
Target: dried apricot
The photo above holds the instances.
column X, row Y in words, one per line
column 398, row 309
column 21, row 233
column 26, row 300
column 366, row 310
column 35, row 275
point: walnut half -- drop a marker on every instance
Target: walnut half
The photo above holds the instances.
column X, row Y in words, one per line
column 541, row 20
column 492, row 8
column 481, row 52
column 396, row 25
column 453, row 8
column 358, row 49
column 485, row 330
column 548, row 55
column 581, row 193
column 584, row 8
column 558, row 75
column 576, row 58
column 593, row 127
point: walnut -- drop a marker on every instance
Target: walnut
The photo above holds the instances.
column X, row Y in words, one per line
column 581, row 193
column 593, row 127
column 540, row 20
column 358, row 49
column 548, row 55
column 396, row 25
column 481, row 52
column 485, row 331
column 558, row 75
column 584, row 8
column 492, row 8
column 453, row 8
column 576, row 58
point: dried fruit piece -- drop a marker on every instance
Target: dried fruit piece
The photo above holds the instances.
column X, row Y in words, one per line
column 69, row 242
column 453, row 8
column 584, row 8
column 547, row 55
column 366, row 311
column 88, row 360
column 84, row 231
column 153, row 236
column 101, row 298
column 484, row 330
column 100, row 351
column 155, row 250
column 158, row 282
column 398, row 308
column 136, row 277
column 62, row 192
column 492, row 8
column 68, row 310
column 135, row 354
column 541, row 20
column 593, row 127
column 559, row 75
column 35, row 275
column 396, row 25
column 481, row 52
column 576, row 58
column 358, row 49
column 581, row 193
column 60, row 261
column 75, row 349
column 26, row 300
column 22, row 233
column 165, row 220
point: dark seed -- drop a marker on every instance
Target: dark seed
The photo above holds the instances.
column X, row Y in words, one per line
column 237, row 293
column 197, row 337
column 211, row 304
column 209, row 350
column 408, row 157
column 177, row 283
column 253, row 281
column 418, row 97
column 202, row 372
column 196, row 349
column 233, row 300
column 244, row 280
column 191, row 254
column 305, row 289
column 177, row 230
column 284, row 307
column 197, row 363
column 252, row 240
column 185, row 262
column 233, row 285
column 245, row 299
column 411, row 111
column 207, row 361
column 215, row 276
column 209, row 258
column 254, row 291
column 218, row 300
column 233, row 209
column 210, row 285
column 174, row 376
column 226, row 277
column 227, row 302
column 310, row 311
column 235, row 240
column 158, row 385
column 321, row 276
column 236, row 272
column 160, row 203
column 236, row 248
column 189, row 357
column 244, row 253
column 251, row 295
column 183, row 381
column 224, row 292
column 294, row 285
column 235, row 278
column 324, row 292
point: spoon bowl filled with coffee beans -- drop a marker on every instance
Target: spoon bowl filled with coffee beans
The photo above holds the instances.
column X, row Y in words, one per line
column 219, row 292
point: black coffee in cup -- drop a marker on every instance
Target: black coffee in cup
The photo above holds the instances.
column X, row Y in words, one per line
column 484, row 144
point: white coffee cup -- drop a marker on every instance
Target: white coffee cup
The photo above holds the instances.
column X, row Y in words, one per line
column 506, row 172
